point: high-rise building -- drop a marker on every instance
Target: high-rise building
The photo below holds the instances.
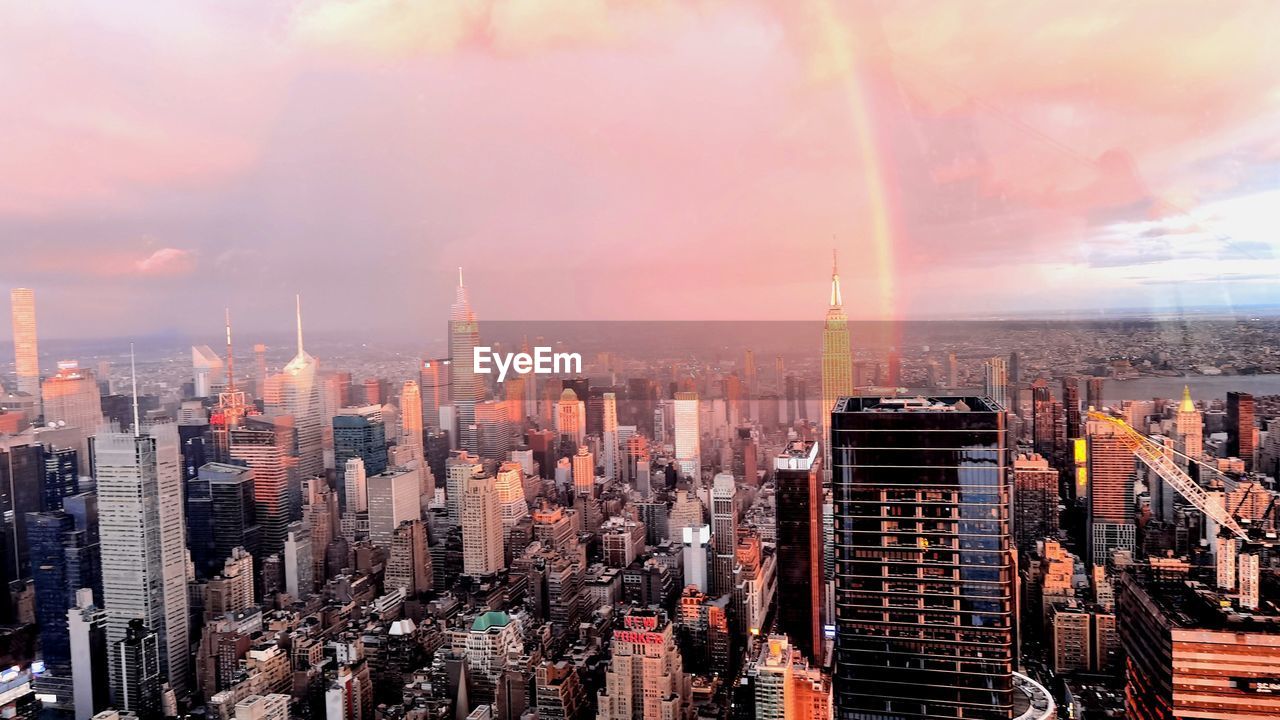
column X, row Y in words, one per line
column 460, row 467
column 206, row 371
column 646, row 676
column 1241, row 434
column 559, row 692
column 71, row 396
column 273, row 706
column 143, row 553
column 1093, row 393
column 136, row 662
column 263, row 443
column 1071, row 405
column 493, row 429
column 724, row 533
column 360, row 432
column 797, row 474
column 570, row 419
column 688, row 437
column 45, row 543
column 1189, row 426
column 1191, row 654
column 393, row 499
column 355, row 486
column 1035, row 500
column 87, row 630
column 1110, row 492
column 996, row 381
column 466, row 387
column 296, row 392
column 481, row 527
column 695, row 540
column 411, row 431
column 787, row 687
column 610, row 446
column 221, row 516
column 837, row 367
column 409, row 563
column 26, row 354
column 584, row 472
column 299, row 562
column 433, row 383
column 925, row 568
column 512, row 502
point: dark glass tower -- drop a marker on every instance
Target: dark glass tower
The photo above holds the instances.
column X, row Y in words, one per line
column 924, row 562
column 1240, row 427
column 220, row 516
column 797, row 475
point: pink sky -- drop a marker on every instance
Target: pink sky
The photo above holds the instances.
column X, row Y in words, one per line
column 636, row 159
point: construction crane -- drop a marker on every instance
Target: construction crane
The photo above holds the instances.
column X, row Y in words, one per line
column 1233, row 541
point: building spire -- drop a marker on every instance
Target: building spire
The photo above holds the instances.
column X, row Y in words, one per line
column 836, row 299
column 460, row 276
column 133, row 378
column 231, row 363
column 298, row 301
column 1188, row 405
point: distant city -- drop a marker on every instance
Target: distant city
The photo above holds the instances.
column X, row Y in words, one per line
column 996, row 519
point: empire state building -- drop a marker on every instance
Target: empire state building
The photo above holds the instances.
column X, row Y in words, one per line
column 837, row 363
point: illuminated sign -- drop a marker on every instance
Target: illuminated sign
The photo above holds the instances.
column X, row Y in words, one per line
column 639, row 638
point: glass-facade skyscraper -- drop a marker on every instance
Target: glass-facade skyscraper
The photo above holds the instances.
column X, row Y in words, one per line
column 925, row 564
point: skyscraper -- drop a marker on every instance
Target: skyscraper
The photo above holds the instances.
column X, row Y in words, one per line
column 797, row 474
column 481, row 527
column 71, row 396
column 433, row 383
column 724, row 533
column 143, row 550
column 360, row 432
column 466, row 387
column 787, row 687
column 996, row 381
column 86, row 627
column 393, row 499
column 1035, row 500
column 1240, row 427
column 408, row 563
column 136, row 661
column 646, row 673
column 297, row 393
column 924, row 559
column 1111, row 474
column 221, row 516
column 1189, row 426
column 687, row 435
column 262, row 444
column 570, row 419
column 837, row 367
column 458, row 469
column 609, row 446
column 411, row 418
column 584, row 472
column 26, row 355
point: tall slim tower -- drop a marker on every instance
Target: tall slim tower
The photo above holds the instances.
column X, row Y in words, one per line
column 1240, row 427
column 26, row 356
column 609, row 446
column 1189, row 426
column 996, row 381
column 299, row 396
column 724, row 533
column 143, row 546
column 797, row 473
column 837, row 363
column 411, row 417
column 465, row 385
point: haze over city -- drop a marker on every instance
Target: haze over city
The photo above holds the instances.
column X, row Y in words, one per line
column 606, row 160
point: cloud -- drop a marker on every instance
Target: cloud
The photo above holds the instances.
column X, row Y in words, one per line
column 167, row 262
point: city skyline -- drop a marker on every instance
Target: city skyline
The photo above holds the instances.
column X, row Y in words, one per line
column 376, row 141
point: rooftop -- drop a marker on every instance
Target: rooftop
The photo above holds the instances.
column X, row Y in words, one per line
column 917, row 404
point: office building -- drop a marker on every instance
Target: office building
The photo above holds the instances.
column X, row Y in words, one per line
column 1241, row 431
column 1035, row 487
column 787, row 687
column 433, row 384
column 1191, row 654
column 925, row 567
column 466, row 387
column 646, row 676
column 724, row 533
column 688, row 437
column 87, row 634
column 393, row 499
column 360, row 432
column 143, row 548
column 481, row 527
column 137, row 665
column 837, row 363
column 411, row 427
column 797, row 474
column 584, row 472
column 1189, row 427
column 460, row 467
column 26, row 353
column 409, row 563
column 996, row 381
column 263, row 443
column 610, row 442
column 1111, row 467
column 221, row 516
column 71, row 397
column 570, row 419
column 296, row 392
